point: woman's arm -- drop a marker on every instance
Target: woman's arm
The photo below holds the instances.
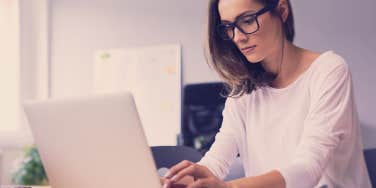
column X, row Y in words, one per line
column 205, row 178
column 330, row 123
column 226, row 146
column 271, row 179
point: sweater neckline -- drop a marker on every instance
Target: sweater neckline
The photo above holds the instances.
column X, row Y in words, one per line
column 301, row 76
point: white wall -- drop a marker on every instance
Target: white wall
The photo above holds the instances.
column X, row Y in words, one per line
column 80, row 27
column 31, row 35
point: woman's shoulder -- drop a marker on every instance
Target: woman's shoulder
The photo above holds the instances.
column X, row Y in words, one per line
column 328, row 62
column 239, row 103
column 237, row 100
column 329, row 69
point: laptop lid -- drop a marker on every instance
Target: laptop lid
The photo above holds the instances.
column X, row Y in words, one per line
column 95, row 142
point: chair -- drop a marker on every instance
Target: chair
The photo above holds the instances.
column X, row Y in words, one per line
column 202, row 115
column 168, row 156
column 370, row 158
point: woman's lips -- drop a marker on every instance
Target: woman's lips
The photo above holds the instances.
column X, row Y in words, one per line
column 249, row 49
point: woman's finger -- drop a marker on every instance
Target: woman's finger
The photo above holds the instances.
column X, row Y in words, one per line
column 167, row 183
column 162, row 180
column 178, row 167
column 211, row 182
column 206, row 182
column 194, row 170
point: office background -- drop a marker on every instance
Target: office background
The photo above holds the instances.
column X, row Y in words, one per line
column 76, row 29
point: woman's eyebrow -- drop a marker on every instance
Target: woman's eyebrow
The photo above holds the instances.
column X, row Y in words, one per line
column 240, row 15
column 245, row 13
column 225, row 21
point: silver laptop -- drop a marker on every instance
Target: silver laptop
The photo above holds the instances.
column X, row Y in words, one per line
column 92, row 142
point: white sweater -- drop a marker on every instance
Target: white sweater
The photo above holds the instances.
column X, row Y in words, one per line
column 308, row 131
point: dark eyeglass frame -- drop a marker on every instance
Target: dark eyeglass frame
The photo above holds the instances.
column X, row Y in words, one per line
column 234, row 24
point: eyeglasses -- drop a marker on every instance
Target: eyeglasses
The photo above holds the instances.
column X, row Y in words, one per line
column 247, row 23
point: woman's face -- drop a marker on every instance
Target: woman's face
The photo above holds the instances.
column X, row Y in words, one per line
column 259, row 45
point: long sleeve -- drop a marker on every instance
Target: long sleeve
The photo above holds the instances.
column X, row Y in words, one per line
column 226, row 145
column 329, row 122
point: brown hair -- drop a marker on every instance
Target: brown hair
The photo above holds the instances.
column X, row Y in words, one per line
column 239, row 75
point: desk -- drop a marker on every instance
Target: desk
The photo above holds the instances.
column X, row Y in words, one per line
column 22, row 186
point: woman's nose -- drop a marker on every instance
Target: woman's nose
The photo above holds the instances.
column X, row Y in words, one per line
column 239, row 37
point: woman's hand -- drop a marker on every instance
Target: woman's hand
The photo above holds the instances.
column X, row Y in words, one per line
column 179, row 184
column 202, row 176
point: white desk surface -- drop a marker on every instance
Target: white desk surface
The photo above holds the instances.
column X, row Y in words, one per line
column 22, row 186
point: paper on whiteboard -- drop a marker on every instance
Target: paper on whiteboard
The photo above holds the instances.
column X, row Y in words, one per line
column 153, row 75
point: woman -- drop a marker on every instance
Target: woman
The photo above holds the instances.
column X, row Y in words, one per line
column 290, row 112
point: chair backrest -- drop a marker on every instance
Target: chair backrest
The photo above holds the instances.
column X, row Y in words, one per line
column 202, row 114
column 168, row 156
column 204, row 94
column 370, row 158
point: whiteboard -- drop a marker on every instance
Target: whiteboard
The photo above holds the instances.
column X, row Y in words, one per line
column 153, row 75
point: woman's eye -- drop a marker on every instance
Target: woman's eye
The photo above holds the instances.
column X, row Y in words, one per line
column 248, row 21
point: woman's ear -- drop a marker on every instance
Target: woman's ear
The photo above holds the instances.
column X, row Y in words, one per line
column 283, row 9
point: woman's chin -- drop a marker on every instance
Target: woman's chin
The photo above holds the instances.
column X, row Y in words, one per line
column 253, row 59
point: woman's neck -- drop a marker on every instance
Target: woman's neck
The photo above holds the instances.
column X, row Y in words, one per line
column 283, row 65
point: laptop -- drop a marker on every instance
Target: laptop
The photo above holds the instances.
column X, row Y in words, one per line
column 92, row 142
